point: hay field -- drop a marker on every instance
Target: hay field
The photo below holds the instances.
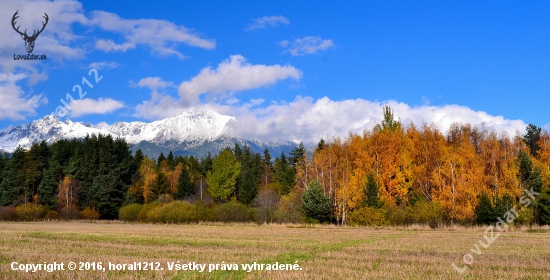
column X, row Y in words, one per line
column 322, row 252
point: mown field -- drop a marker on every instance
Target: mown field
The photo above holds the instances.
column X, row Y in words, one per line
column 322, row 252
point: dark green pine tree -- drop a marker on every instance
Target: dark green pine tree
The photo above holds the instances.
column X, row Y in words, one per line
column 284, row 174
column 170, row 160
column 161, row 186
column 185, row 185
column 321, row 145
column 315, row 204
column 103, row 168
column 484, row 212
column 37, row 161
column 53, row 175
column 117, row 163
column 251, row 175
column 544, row 207
column 138, row 157
column 238, row 151
column 535, row 180
column 371, row 193
column 267, row 167
column 525, row 165
column 161, row 158
column 297, row 155
column 205, row 164
column 535, row 183
column 11, row 188
column 266, row 159
column 531, row 138
column 502, row 205
column 108, row 196
column 3, row 161
column 84, row 166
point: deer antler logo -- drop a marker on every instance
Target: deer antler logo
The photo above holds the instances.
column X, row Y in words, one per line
column 29, row 40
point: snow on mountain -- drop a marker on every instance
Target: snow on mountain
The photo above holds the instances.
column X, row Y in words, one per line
column 193, row 132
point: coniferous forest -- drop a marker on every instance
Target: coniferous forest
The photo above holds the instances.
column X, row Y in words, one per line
column 390, row 175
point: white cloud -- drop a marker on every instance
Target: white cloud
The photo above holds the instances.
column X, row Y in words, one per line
column 103, row 65
column 233, row 75
column 154, row 83
column 14, row 104
column 108, row 45
column 160, row 35
column 90, row 106
column 262, row 22
column 309, row 120
column 307, row 45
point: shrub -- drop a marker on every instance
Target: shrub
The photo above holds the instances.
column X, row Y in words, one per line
column 30, row 212
column 396, row 216
column 142, row 215
column 201, row 212
column 266, row 203
column 155, row 214
column 129, row 213
column 177, row 212
column 233, row 212
column 289, row 210
column 165, row 198
column 89, row 214
column 424, row 212
column 526, row 217
column 7, row 213
column 69, row 212
column 52, row 215
column 368, row 216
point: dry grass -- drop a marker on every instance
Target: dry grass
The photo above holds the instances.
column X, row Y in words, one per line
column 323, row 252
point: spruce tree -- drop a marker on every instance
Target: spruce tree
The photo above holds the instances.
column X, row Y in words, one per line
column 502, row 205
column 36, row 163
column 371, row 193
column 60, row 154
column 297, row 155
column 321, row 145
column 315, row 204
column 161, row 158
column 267, row 167
column 525, row 165
column 544, row 207
column 3, row 161
column 138, row 157
column 185, row 185
column 161, row 186
column 205, row 164
column 170, row 160
column 251, row 172
column 284, row 174
column 531, row 138
column 484, row 212
column 11, row 188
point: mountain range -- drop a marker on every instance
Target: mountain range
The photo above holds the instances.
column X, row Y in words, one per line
column 191, row 133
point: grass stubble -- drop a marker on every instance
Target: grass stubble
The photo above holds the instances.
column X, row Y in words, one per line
column 323, row 252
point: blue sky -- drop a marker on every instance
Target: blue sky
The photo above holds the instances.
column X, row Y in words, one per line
column 299, row 69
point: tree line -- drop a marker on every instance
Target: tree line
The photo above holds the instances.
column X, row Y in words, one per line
column 390, row 174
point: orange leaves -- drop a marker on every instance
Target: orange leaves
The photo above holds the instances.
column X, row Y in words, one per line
column 67, row 194
column 148, row 177
column 452, row 170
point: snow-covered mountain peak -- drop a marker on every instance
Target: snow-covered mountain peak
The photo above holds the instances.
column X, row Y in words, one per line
column 191, row 126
